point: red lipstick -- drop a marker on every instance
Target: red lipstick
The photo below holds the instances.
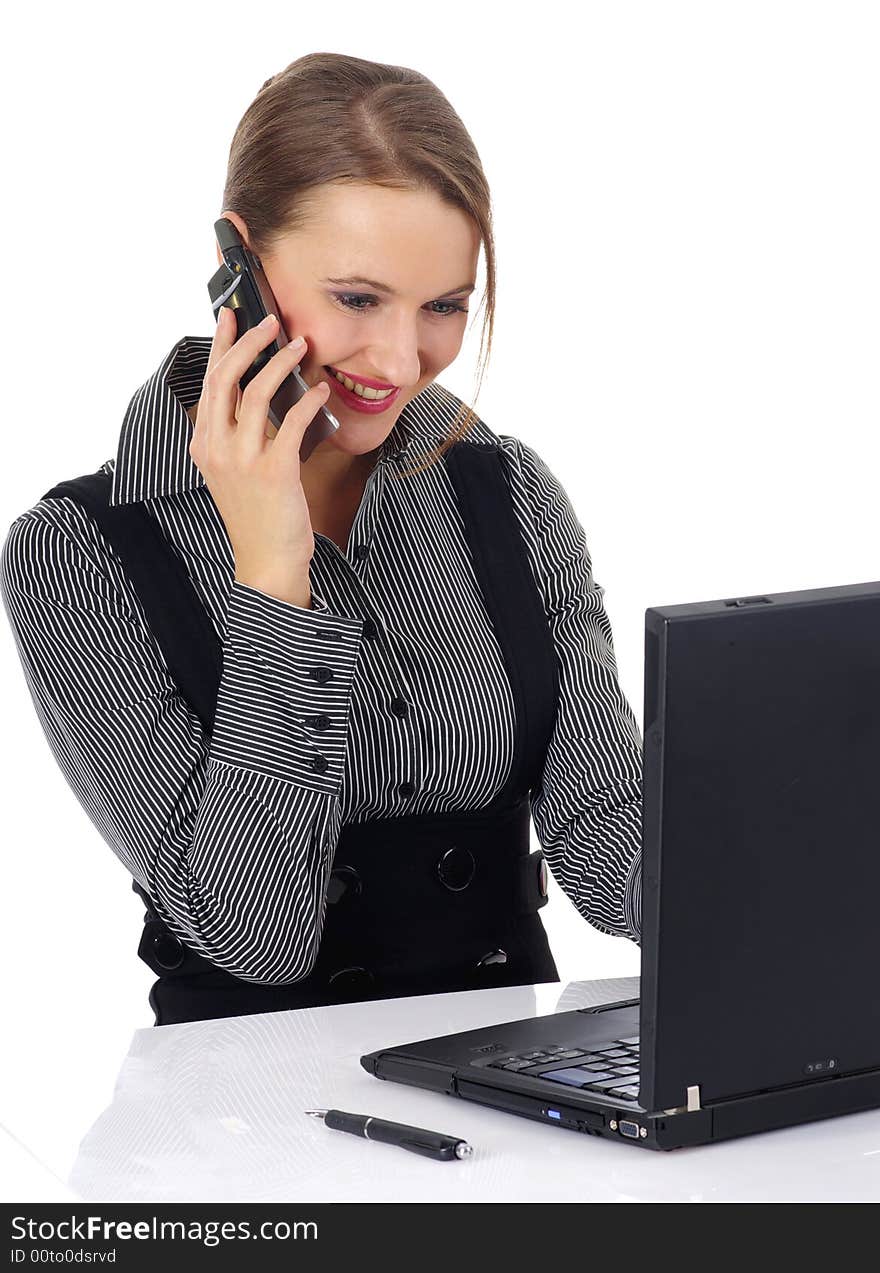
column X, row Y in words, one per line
column 369, row 406
column 362, row 380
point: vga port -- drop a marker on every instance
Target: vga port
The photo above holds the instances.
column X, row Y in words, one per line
column 626, row 1128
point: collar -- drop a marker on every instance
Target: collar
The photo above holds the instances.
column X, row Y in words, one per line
column 153, row 456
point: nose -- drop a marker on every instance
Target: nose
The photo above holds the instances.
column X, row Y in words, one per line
column 394, row 351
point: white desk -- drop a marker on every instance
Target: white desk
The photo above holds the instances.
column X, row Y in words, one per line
column 213, row 1111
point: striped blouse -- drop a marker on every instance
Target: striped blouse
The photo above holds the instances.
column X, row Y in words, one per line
column 232, row 835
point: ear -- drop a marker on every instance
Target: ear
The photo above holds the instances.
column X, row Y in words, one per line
column 239, row 225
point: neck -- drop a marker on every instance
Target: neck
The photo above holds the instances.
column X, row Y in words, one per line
column 328, row 469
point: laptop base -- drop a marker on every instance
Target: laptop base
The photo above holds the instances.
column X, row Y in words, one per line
column 459, row 1065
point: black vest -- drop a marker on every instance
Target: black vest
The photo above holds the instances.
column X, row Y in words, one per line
column 415, row 905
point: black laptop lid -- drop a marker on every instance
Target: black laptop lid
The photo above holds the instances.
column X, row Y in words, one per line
column 761, row 828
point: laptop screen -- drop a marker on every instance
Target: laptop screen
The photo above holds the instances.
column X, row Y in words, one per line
column 761, row 831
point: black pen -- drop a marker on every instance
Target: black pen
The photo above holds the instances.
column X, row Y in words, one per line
column 416, row 1139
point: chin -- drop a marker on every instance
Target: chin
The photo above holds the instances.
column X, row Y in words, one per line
column 353, row 446
column 354, row 439
column 359, row 432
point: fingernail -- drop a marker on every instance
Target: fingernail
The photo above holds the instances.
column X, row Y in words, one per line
column 268, row 320
column 296, row 342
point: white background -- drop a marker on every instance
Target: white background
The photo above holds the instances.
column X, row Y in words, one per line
column 686, row 201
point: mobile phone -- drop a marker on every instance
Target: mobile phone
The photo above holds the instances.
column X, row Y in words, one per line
column 241, row 286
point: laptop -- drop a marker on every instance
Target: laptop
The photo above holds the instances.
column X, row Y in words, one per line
column 760, row 954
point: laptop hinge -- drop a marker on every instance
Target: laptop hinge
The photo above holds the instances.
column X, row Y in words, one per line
column 693, row 1103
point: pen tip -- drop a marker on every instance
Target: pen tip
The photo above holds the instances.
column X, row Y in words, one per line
column 316, row 1113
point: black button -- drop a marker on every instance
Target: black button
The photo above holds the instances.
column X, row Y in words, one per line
column 318, row 722
column 321, row 673
column 494, row 957
column 604, row 1085
column 168, row 950
column 456, row 868
column 352, row 982
column 399, row 706
column 370, row 629
column 407, row 788
column 319, row 764
column 360, row 551
column 344, row 883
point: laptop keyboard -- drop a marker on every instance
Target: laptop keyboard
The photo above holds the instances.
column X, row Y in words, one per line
column 612, row 1070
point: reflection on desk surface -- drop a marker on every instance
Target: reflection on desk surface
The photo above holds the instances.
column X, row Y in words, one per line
column 214, row 1110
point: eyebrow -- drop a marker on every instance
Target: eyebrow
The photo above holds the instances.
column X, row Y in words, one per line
column 389, row 291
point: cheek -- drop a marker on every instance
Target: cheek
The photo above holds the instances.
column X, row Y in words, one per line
column 327, row 340
column 337, row 338
column 310, row 322
column 444, row 347
column 441, row 341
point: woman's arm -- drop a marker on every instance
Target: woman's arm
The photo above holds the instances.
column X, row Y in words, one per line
column 587, row 809
column 231, row 836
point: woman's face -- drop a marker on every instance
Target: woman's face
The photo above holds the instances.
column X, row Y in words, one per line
column 424, row 254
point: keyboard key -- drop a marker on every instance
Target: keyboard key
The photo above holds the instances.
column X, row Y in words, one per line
column 572, row 1052
column 604, row 1085
column 547, row 1066
column 568, row 1063
column 614, row 1052
column 531, row 1056
column 633, row 1040
column 572, row 1077
column 626, row 1070
column 517, row 1065
column 624, row 1093
column 594, row 1075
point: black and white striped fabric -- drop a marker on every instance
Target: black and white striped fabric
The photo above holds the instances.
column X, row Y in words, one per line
column 411, row 714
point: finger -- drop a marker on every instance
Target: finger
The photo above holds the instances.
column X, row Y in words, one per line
column 300, row 416
column 221, row 388
column 236, row 354
column 221, row 340
column 223, row 336
column 258, row 395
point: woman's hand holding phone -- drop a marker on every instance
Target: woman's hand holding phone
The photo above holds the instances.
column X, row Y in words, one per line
column 253, row 476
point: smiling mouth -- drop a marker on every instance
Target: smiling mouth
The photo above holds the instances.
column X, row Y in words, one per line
column 380, row 385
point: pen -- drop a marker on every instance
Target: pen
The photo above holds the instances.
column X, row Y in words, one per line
column 416, row 1139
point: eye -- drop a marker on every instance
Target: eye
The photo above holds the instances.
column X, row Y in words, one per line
column 349, row 300
column 451, row 308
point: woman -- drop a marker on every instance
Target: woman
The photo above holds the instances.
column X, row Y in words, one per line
column 411, row 655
